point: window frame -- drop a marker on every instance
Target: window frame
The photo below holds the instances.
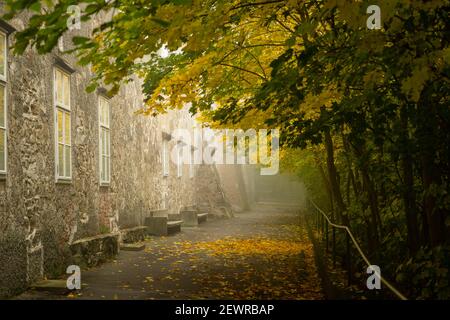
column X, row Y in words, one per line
column 4, row 77
column 165, row 157
column 4, row 84
column 179, row 160
column 66, row 110
column 107, row 127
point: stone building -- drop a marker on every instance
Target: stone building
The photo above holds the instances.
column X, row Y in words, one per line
column 75, row 164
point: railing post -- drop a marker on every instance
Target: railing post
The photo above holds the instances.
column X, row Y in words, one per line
column 349, row 261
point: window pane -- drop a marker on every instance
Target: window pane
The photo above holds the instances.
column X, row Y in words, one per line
column 60, row 126
column 107, row 143
column 67, row 127
column 2, row 150
column 102, row 141
column 67, row 161
column 107, row 169
column 2, row 106
column 106, row 114
column 59, row 87
column 100, row 111
column 103, row 166
column 2, row 54
column 165, row 158
column 66, row 83
column 60, row 160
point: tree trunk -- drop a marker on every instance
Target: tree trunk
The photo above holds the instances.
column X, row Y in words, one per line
column 333, row 176
column 327, row 187
column 427, row 133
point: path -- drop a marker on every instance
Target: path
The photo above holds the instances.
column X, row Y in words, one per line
column 263, row 254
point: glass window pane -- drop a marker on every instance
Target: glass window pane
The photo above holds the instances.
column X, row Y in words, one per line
column 67, row 161
column 102, row 141
column 2, row 106
column 66, row 83
column 106, row 114
column 107, row 169
column 2, row 54
column 100, row 111
column 67, row 127
column 60, row 160
column 59, row 87
column 108, row 143
column 103, row 168
column 60, row 126
column 2, row 150
column 105, row 142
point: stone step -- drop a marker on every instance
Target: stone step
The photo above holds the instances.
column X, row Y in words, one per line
column 139, row 246
column 57, row 286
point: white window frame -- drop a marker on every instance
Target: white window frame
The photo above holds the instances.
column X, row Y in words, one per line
column 4, row 77
column 107, row 155
column 165, row 158
column 179, row 160
column 65, row 109
column 3, row 83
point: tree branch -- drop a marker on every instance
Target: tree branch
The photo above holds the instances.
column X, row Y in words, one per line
column 242, row 69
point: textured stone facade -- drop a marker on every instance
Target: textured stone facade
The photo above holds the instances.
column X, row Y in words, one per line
column 39, row 217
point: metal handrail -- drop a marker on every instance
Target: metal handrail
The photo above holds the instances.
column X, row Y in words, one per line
column 383, row 280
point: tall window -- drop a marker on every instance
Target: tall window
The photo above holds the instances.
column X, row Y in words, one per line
column 105, row 140
column 165, row 157
column 3, row 78
column 62, row 119
column 179, row 160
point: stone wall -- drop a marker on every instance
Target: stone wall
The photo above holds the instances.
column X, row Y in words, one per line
column 40, row 218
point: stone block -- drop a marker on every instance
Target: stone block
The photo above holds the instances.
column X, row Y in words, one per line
column 159, row 213
column 161, row 226
column 189, row 218
column 95, row 250
column 13, row 264
column 58, row 286
column 132, row 235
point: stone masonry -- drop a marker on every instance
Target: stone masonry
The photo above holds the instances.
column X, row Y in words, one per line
column 39, row 217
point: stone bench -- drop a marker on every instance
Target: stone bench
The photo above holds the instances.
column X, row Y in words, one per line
column 163, row 223
column 165, row 213
column 131, row 235
column 193, row 217
column 202, row 217
column 94, row 250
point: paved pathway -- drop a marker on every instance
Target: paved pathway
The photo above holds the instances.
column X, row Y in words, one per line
column 263, row 254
